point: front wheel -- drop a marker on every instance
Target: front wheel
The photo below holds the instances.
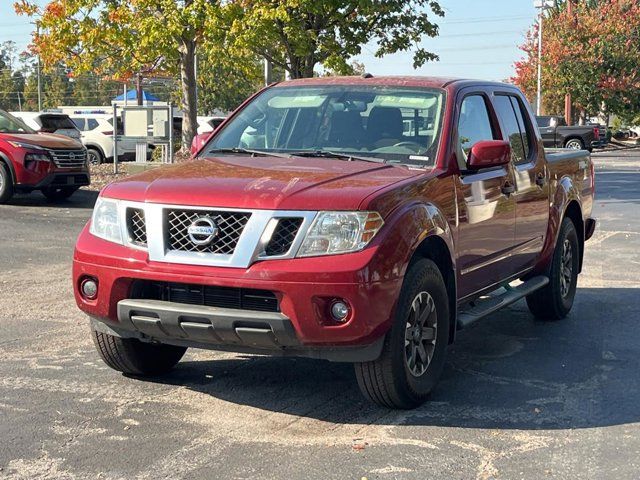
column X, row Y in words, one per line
column 554, row 301
column 55, row 194
column 414, row 351
column 94, row 157
column 133, row 357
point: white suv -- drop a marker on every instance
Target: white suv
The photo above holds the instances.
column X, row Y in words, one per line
column 49, row 122
column 97, row 135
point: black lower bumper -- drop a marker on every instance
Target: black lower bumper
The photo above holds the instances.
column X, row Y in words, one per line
column 244, row 331
column 59, row 180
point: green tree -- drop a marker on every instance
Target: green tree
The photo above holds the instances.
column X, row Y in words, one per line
column 297, row 35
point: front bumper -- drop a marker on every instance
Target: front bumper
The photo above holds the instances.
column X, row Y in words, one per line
column 302, row 286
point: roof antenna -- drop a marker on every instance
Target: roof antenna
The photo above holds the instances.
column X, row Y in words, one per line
column 366, row 75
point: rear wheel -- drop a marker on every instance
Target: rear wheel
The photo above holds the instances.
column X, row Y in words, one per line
column 414, row 351
column 6, row 184
column 94, row 157
column 55, row 194
column 574, row 144
column 133, row 357
column 554, row 301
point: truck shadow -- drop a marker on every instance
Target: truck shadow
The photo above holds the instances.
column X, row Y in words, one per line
column 80, row 199
column 509, row 371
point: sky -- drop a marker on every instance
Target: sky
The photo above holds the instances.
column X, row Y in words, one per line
column 478, row 39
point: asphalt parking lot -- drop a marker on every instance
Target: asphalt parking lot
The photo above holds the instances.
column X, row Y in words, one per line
column 518, row 399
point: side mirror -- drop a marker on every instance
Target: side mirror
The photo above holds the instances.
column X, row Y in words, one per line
column 198, row 142
column 489, row 153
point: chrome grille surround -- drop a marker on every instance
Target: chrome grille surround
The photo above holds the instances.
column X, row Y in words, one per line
column 74, row 158
column 251, row 245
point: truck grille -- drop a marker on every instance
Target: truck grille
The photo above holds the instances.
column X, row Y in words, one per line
column 230, row 226
column 283, row 236
column 210, row 296
column 136, row 226
column 69, row 158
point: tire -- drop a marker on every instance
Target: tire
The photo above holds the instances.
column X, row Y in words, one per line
column 94, row 157
column 6, row 184
column 574, row 144
column 391, row 381
column 56, row 194
column 554, row 301
column 133, row 357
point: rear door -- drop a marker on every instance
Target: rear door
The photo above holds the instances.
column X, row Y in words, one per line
column 531, row 178
column 547, row 132
column 486, row 229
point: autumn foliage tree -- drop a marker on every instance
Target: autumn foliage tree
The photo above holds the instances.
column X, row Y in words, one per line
column 123, row 38
column 590, row 52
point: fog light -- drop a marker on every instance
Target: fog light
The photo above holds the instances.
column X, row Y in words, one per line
column 339, row 311
column 89, row 288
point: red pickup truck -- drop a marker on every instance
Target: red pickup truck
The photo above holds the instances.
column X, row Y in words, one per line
column 54, row 164
column 353, row 219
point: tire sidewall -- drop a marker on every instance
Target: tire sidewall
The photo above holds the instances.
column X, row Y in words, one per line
column 6, row 190
column 567, row 232
column 423, row 276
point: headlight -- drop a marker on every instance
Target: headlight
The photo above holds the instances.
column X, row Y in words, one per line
column 27, row 146
column 105, row 222
column 340, row 232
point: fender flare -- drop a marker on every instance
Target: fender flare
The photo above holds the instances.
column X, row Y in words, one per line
column 417, row 225
column 6, row 160
column 565, row 193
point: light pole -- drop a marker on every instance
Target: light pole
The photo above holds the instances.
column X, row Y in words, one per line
column 541, row 5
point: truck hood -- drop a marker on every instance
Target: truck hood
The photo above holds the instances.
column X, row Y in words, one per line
column 271, row 183
column 44, row 140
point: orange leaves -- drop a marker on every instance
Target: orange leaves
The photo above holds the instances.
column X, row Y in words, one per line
column 54, row 10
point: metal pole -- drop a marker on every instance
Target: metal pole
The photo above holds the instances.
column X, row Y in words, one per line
column 115, row 138
column 170, row 156
column 38, row 73
column 268, row 72
column 539, row 93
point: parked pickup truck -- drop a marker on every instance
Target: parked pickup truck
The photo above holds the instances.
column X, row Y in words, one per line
column 354, row 219
column 54, row 164
column 556, row 133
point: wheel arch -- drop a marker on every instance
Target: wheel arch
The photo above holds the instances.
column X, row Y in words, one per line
column 95, row 146
column 574, row 137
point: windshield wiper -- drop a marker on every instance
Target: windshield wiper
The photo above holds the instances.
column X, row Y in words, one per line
column 342, row 156
column 247, row 151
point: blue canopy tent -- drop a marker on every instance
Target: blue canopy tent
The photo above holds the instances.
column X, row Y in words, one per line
column 133, row 95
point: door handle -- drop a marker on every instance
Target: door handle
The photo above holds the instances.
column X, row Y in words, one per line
column 541, row 180
column 508, row 189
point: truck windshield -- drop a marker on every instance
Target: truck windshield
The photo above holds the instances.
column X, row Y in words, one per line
column 397, row 125
column 10, row 124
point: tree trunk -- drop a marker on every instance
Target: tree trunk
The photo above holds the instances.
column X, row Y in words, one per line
column 188, row 85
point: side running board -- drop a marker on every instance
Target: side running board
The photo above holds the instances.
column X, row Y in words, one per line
column 492, row 303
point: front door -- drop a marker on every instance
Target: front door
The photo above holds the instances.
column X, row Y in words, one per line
column 486, row 209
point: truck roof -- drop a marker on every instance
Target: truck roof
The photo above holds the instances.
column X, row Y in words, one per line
column 392, row 81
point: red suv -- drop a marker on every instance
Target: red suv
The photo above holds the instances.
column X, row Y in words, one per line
column 53, row 164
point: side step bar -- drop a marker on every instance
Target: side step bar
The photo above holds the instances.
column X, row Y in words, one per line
column 486, row 306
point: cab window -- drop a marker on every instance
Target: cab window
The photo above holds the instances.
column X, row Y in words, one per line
column 509, row 112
